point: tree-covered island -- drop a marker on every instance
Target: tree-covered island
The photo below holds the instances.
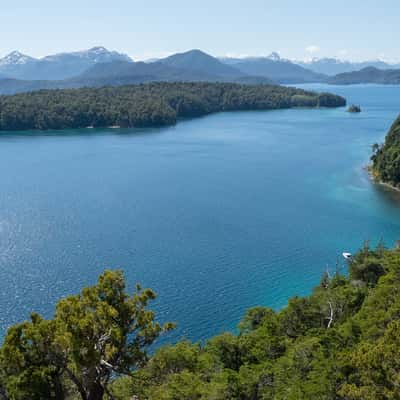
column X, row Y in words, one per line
column 147, row 105
column 354, row 109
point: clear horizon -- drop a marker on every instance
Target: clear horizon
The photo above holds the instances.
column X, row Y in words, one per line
column 298, row 32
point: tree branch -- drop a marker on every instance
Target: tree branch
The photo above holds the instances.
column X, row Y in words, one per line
column 77, row 383
column 331, row 314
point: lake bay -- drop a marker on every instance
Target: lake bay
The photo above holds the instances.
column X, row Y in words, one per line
column 216, row 214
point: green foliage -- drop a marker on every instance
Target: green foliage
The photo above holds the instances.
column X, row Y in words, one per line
column 339, row 343
column 354, row 109
column 94, row 336
column 145, row 105
column 374, row 368
column 26, row 360
column 366, row 75
column 318, row 347
column 256, row 317
column 386, row 158
column 305, row 372
column 367, row 270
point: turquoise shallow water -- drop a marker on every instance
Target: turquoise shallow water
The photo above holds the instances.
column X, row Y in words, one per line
column 217, row 214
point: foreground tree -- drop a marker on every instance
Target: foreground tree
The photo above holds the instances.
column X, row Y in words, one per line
column 95, row 336
column 29, row 370
column 340, row 342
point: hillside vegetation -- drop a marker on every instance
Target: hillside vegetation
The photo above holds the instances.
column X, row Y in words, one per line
column 386, row 158
column 367, row 75
column 341, row 342
column 147, row 105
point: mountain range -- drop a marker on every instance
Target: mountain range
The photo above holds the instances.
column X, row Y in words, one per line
column 98, row 67
column 114, row 69
column 58, row 66
column 334, row 66
column 274, row 67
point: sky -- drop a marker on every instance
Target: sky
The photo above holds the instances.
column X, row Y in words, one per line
column 351, row 29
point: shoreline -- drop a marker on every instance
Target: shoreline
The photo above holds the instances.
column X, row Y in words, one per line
column 38, row 131
column 371, row 176
column 388, row 185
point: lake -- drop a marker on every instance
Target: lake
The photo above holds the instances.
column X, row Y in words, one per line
column 216, row 214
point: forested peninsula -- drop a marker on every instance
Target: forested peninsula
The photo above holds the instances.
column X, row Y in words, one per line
column 386, row 157
column 340, row 343
column 146, row 105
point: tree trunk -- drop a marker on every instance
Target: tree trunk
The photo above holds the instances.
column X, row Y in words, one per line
column 3, row 393
column 59, row 389
column 77, row 383
column 96, row 392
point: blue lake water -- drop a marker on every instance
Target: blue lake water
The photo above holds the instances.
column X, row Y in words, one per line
column 216, row 214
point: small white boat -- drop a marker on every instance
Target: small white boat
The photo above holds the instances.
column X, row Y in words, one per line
column 347, row 256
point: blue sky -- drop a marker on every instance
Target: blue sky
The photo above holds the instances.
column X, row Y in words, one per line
column 352, row 29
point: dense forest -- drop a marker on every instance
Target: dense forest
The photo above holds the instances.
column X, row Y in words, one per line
column 145, row 105
column 341, row 342
column 386, row 158
column 367, row 75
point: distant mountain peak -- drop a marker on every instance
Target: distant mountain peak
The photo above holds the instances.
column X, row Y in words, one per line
column 57, row 66
column 326, row 60
column 274, row 56
column 197, row 60
column 192, row 53
column 98, row 49
column 370, row 68
column 332, row 66
column 16, row 58
column 95, row 54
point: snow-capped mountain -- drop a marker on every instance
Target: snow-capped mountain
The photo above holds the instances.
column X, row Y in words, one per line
column 58, row 66
column 98, row 67
column 16, row 58
column 274, row 67
column 274, row 56
column 95, row 55
column 318, row 66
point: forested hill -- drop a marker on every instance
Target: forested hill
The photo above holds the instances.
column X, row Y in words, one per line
column 340, row 343
column 147, row 105
column 386, row 158
column 367, row 75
